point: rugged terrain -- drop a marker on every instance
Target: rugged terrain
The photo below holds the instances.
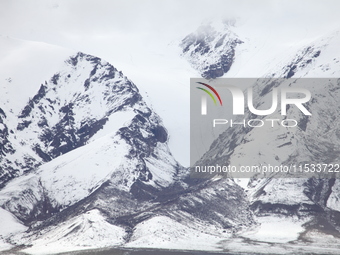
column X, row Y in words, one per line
column 85, row 161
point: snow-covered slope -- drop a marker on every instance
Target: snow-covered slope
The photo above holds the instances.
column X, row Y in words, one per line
column 86, row 231
column 25, row 65
column 67, row 113
column 211, row 49
column 315, row 140
column 99, row 154
column 10, row 225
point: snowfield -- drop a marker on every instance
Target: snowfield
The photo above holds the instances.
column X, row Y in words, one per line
column 162, row 232
column 88, row 231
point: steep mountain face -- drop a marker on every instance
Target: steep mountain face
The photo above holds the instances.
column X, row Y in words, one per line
column 24, row 66
column 74, row 105
column 5, row 149
column 102, row 167
column 65, row 114
column 15, row 158
column 314, row 140
column 211, row 49
column 70, row 109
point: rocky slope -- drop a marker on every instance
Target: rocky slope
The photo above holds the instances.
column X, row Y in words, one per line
column 315, row 140
column 101, row 167
column 211, row 49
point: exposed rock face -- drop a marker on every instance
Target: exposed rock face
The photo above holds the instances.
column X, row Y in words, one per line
column 102, row 152
column 211, row 51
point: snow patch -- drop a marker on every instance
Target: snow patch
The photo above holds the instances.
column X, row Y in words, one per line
column 87, row 231
column 276, row 229
column 163, row 232
column 9, row 224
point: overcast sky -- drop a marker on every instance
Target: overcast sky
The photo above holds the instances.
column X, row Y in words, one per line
column 96, row 26
column 69, row 22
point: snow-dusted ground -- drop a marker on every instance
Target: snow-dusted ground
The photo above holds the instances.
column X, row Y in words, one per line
column 276, row 229
column 9, row 225
column 72, row 176
column 163, row 232
column 88, row 231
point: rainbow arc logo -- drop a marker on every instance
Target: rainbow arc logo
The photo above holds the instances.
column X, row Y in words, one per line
column 209, row 93
column 204, row 99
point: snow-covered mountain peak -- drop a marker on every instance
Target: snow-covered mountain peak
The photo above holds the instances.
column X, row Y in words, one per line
column 21, row 59
column 92, row 127
column 211, row 49
column 97, row 151
column 85, row 100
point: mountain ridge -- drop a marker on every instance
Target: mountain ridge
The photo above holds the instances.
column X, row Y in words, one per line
column 131, row 190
